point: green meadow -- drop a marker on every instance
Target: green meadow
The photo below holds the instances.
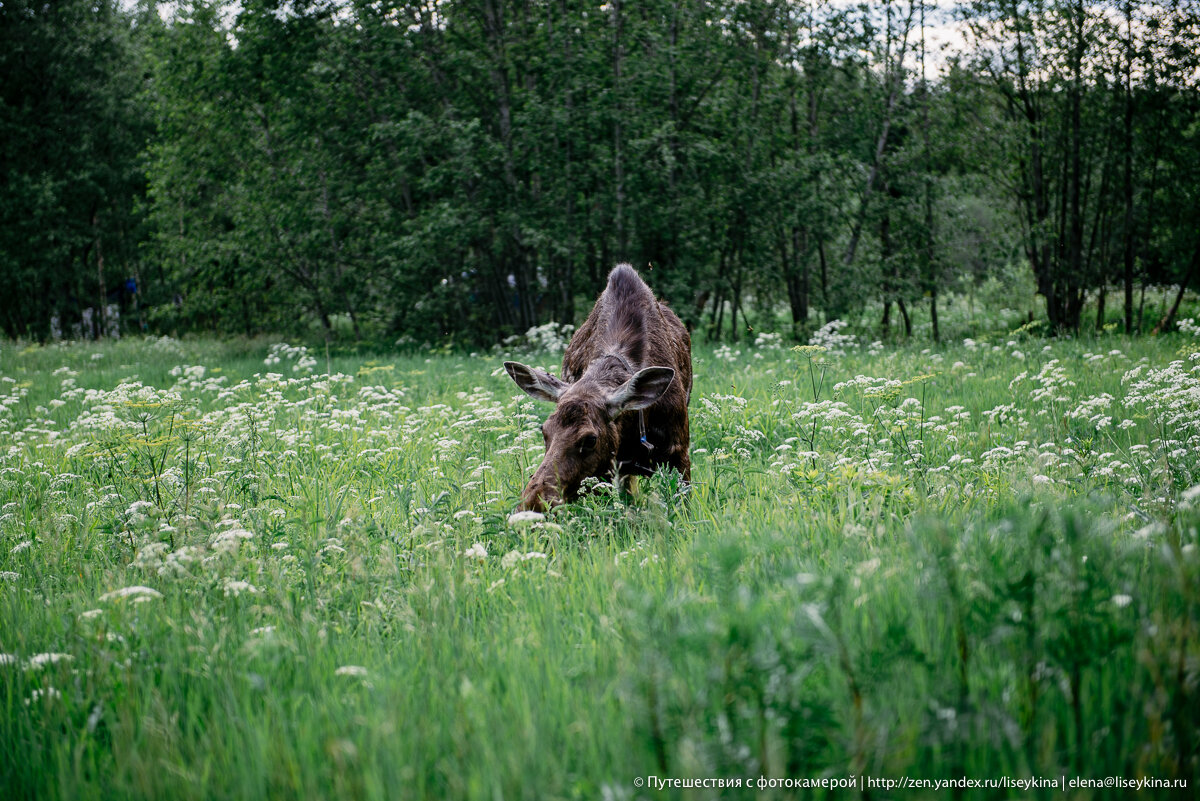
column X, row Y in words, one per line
column 242, row 570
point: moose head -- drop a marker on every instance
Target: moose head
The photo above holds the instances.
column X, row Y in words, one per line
column 584, row 434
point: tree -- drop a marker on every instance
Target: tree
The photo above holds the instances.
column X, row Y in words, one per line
column 464, row 169
column 72, row 128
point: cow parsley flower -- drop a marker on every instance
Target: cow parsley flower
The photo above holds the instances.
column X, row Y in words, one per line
column 49, row 692
column 137, row 594
column 514, row 557
column 830, row 337
column 39, row 661
column 235, row 588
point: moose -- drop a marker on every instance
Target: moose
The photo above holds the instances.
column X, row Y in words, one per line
column 623, row 397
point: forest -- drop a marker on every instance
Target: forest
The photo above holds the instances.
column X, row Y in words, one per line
column 456, row 171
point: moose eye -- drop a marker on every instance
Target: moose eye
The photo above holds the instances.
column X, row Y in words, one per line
column 587, row 443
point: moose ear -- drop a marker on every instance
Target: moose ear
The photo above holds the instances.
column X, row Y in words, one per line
column 642, row 390
column 536, row 383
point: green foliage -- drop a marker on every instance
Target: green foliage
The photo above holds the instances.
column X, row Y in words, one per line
column 73, row 131
column 357, row 171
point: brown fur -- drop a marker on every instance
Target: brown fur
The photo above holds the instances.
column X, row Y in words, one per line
column 614, row 366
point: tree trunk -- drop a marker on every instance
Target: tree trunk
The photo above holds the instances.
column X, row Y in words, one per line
column 719, row 317
column 102, row 309
column 824, row 277
column 894, row 81
column 618, row 165
column 933, row 315
column 566, row 299
column 335, row 250
column 512, row 251
column 800, row 260
column 805, row 289
column 1168, row 320
column 1128, row 232
column 734, row 333
column 1074, row 275
column 885, row 265
column 931, row 280
column 903, row 309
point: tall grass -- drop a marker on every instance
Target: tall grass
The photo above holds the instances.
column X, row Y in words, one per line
column 976, row 562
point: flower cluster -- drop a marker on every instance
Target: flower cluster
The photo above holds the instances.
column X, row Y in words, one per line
column 298, row 355
column 831, row 337
column 549, row 338
column 768, row 341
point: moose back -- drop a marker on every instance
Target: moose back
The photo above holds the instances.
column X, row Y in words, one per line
column 622, row 400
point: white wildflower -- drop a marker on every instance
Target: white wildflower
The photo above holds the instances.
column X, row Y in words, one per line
column 237, row 587
column 49, row 692
column 228, row 541
column 39, row 661
column 514, row 557
column 830, row 337
column 137, row 593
